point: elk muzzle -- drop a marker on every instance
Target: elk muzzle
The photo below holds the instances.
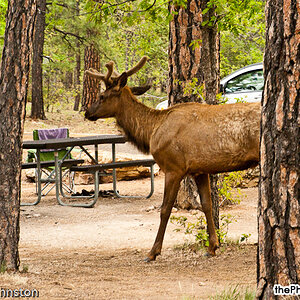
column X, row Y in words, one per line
column 90, row 116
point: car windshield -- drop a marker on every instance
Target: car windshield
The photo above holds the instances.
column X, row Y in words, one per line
column 251, row 81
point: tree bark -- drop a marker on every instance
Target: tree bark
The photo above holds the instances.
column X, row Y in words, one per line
column 193, row 53
column 37, row 102
column 78, row 68
column 13, row 92
column 279, row 202
column 68, row 82
column 91, row 86
column 199, row 60
column 77, row 80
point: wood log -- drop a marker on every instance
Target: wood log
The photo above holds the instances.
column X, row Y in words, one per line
column 130, row 173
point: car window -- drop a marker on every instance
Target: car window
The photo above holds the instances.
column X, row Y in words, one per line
column 251, row 81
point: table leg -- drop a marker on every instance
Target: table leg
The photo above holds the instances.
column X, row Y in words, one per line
column 113, row 149
column 39, row 175
column 38, row 183
column 115, row 179
column 58, row 185
column 96, row 178
column 57, row 177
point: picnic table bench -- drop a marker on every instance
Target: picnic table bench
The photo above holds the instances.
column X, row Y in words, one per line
column 51, row 163
column 117, row 165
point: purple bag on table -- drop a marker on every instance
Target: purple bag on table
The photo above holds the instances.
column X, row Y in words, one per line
column 48, row 134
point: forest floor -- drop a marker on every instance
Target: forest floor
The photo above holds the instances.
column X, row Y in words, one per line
column 97, row 253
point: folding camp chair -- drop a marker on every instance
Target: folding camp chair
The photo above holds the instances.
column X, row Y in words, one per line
column 48, row 173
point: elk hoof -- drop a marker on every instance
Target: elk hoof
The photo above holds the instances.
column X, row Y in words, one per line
column 211, row 252
column 150, row 258
column 147, row 260
column 208, row 255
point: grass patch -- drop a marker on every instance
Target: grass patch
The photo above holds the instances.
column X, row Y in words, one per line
column 235, row 293
column 3, row 267
column 232, row 293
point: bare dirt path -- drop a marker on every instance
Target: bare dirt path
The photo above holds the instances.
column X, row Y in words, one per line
column 77, row 253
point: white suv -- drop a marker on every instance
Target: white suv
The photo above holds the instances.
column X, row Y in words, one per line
column 243, row 85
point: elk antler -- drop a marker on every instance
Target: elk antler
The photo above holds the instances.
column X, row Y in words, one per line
column 110, row 71
column 94, row 73
column 139, row 65
column 106, row 78
column 110, row 67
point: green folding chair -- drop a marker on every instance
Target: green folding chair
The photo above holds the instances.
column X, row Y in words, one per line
column 48, row 173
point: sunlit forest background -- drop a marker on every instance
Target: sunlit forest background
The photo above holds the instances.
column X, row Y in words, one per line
column 123, row 31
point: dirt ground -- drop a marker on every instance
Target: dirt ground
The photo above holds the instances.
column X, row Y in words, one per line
column 97, row 253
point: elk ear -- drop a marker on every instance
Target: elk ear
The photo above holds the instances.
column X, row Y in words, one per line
column 140, row 90
column 122, row 81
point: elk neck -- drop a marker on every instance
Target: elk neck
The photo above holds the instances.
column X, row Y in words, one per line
column 137, row 120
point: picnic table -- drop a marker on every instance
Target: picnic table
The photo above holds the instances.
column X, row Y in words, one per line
column 82, row 143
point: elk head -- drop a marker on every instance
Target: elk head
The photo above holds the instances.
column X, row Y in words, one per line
column 109, row 100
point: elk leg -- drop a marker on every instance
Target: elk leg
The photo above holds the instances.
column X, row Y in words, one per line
column 172, row 182
column 203, row 185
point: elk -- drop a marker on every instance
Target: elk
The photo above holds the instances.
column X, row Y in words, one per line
column 190, row 138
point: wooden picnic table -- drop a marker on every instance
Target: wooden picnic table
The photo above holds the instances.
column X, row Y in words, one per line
column 70, row 143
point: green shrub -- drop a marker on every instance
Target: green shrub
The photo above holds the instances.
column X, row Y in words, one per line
column 226, row 184
column 198, row 228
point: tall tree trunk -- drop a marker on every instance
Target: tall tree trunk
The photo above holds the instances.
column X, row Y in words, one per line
column 193, row 53
column 77, row 79
column 68, row 82
column 78, row 68
column 91, row 86
column 13, row 92
column 279, row 202
column 37, row 103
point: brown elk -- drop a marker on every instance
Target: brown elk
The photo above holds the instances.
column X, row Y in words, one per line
column 191, row 138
